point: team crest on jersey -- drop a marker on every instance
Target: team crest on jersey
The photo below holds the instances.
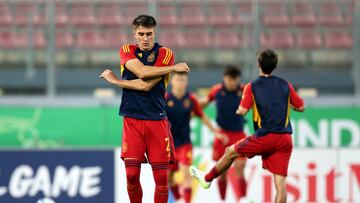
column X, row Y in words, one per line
column 151, row 57
column 170, row 103
column 222, row 93
column 187, row 103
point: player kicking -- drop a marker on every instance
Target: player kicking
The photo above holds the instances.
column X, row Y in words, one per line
column 145, row 71
column 271, row 99
column 227, row 96
column 181, row 104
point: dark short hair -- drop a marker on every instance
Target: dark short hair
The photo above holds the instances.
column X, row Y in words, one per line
column 267, row 60
column 144, row 21
column 232, row 71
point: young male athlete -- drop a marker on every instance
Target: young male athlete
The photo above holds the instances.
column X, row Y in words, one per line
column 271, row 99
column 181, row 104
column 145, row 69
column 227, row 96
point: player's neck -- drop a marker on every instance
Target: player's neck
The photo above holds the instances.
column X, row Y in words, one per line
column 178, row 93
column 145, row 50
column 230, row 89
column 263, row 74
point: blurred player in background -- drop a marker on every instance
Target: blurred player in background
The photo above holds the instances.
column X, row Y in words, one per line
column 271, row 99
column 227, row 96
column 181, row 104
column 145, row 72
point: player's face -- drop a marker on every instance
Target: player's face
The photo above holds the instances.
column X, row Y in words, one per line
column 179, row 82
column 145, row 38
column 231, row 83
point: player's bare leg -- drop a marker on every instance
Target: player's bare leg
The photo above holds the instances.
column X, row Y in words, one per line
column 224, row 163
column 221, row 166
column 173, row 185
column 280, row 185
column 187, row 183
column 239, row 166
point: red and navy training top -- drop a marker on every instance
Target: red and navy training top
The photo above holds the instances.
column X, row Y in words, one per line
column 142, row 105
column 226, row 103
column 179, row 113
column 271, row 98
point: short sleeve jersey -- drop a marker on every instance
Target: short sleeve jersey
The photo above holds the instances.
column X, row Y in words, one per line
column 271, row 98
column 226, row 103
column 149, row 105
column 179, row 111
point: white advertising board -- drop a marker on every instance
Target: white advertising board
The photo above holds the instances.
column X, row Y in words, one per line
column 315, row 175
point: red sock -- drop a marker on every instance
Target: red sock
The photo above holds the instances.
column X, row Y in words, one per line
column 222, row 184
column 160, row 173
column 133, row 180
column 213, row 173
column 175, row 191
column 187, row 195
column 242, row 186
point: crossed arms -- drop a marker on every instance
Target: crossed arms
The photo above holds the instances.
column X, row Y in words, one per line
column 148, row 76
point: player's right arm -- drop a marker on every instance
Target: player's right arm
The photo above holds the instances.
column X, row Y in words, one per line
column 136, row 84
column 297, row 103
column 246, row 100
column 142, row 71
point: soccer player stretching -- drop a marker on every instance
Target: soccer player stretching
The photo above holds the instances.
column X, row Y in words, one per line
column 181, row 104
column 145, row 69
column 227, row 96
column 271, row 98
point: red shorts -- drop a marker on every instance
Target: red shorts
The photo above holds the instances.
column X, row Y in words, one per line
column 219, row 147
column 183, row 156
column 150, row 137
column 275, row 150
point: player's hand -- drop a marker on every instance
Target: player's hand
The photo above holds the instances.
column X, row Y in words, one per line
column 224, row 139
column 238, row 111
column 181, row 68
column 108, row 75
column 241, row 111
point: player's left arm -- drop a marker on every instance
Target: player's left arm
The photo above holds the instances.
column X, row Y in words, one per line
column 165, row 60
column 136, row 84
column 246, row 100
column 296, row 101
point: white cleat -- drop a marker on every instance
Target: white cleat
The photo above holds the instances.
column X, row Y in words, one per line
column 200, row 176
